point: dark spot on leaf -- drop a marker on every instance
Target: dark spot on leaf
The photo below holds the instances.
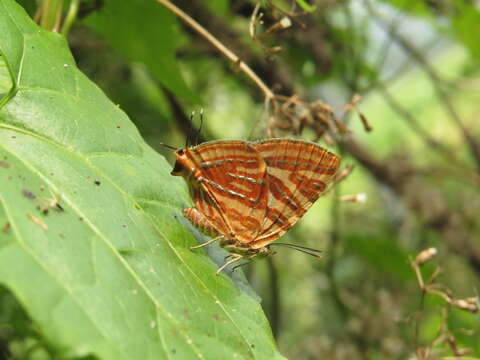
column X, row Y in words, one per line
column 174, row 351
column 80, row 218
column 62, row 235
column 118, row 126
column 253, row 346
column 126, row 252
column 13, row 137
column 218, row 317
column 6, row 227
column 124, row 225
column 96, row 182
column 4, row 165
column 52, row 204
column 28, row 194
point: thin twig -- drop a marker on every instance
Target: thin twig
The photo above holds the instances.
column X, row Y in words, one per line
column 239, row 64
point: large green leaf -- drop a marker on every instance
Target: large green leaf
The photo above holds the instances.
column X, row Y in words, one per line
column 111, row 274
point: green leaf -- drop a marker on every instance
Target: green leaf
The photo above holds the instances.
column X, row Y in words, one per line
column 305, row 6
column 109, row 272
column 143, row 31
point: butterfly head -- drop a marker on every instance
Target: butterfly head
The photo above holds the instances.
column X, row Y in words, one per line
column 183, row 164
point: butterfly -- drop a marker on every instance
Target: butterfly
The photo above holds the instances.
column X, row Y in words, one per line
column 248, row 194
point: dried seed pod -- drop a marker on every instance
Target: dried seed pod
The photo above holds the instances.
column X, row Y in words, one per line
column 361, row 198
column 425, row 256
column 468, row 304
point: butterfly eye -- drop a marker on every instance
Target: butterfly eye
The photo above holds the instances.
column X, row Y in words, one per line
column 180, row 152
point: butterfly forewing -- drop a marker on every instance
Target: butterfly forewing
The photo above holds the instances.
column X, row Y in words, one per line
column 297, row 174
column 232, row 187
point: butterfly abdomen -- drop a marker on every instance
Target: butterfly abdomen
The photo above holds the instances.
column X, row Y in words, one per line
column 200, row 221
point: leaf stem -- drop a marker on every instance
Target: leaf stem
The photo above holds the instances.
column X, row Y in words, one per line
column 70, row 18
column 51, row 11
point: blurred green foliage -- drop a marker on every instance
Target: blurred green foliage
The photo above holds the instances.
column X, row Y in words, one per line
column 362, row 301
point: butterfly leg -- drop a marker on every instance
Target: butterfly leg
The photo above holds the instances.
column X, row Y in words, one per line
column 236, row 257
column 206, row 242
column 237, row 266
column 249, row 260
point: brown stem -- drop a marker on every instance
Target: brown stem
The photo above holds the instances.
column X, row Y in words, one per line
column 239, row 64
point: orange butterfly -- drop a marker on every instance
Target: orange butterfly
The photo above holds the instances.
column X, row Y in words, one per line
column 248, row 194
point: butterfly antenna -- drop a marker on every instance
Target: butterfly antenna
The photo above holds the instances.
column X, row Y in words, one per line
column 189, row 131
column 299, row 248
column 169, row 146
column 199, row 128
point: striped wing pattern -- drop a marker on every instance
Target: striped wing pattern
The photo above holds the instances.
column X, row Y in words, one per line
column 255, row 192
column 232, row 193
column 206, row 214
column 298, row 172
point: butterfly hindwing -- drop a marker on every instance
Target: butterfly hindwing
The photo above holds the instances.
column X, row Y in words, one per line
column 207, row 208
column 298, row 172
